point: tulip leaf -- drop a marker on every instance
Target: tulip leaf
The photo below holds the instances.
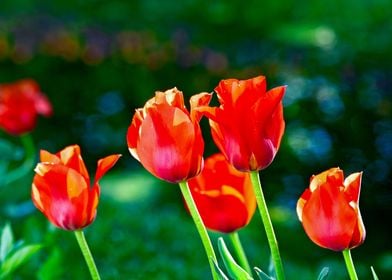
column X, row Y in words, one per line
column 7, row 241
column 323, row 273
column 235, row 271
column 375, row 277
column 221, row 274
column 15, row 259
column 262, row 275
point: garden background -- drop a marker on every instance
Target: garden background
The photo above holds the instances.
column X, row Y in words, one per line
column 99, row 60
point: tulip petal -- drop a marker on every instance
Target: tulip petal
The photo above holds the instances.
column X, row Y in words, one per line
column 43, row 106
column 359, row 233
column 172, row 97
column 333, row 225
column 70, row 156
column 302, row 201
column 224, row 213
column 133, row 133
column 104, row 165
column 45, row 156
column 197, row 101
column 275, row 127
column 319, row 179
column 352, row 186
column 62, row 195
column 168, row 136
column 223, row 195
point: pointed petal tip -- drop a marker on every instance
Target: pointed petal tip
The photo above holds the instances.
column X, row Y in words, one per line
column 105, row 164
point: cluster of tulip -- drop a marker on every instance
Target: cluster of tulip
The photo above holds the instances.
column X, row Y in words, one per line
column 221, row 192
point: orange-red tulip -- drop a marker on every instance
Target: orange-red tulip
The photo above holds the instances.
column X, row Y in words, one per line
column 20, row 103
column 223, row 195
column 329, row 210
column 248, row 125
column 166, row 138
column 61, row 187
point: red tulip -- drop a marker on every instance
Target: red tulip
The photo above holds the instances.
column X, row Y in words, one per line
column 20, row 103
column 223, row 195
column 166, row 138
column 248, row 126
column 329, row 210
column 61, row 188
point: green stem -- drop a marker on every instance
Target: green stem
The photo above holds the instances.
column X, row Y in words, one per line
column 28, row 163
column 269, row 230
column 87, row 254
column 349, row 264
column 200, row 227
column 243, row 260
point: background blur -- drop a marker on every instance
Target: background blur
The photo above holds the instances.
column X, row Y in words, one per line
column 99, row 60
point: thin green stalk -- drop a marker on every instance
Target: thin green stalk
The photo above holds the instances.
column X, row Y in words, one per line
column 269, row 230
column 243, row 260
column 87, row 254
column 349, row 264
column 28, row 163
column 200, row 227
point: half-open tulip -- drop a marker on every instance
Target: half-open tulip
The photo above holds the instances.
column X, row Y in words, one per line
column 329, row 210
column 61, row 187
column 20, row 103
column 223, row 195
column 248, row 125
column 166, row 138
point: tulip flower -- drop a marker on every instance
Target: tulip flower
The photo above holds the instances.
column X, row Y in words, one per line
column 248, row 125
column 61, row 191
column 329, row 210
column 225, row 199
column 166, row 138
column 20, row 103
column 330, row 214
column 223, row 195
column 61, row 187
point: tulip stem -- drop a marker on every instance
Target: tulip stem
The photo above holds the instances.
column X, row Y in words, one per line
column 87, row 254
column 242, row 259
column 269, row 230
column 349, row 264
column 200, row 227
column 27, row 165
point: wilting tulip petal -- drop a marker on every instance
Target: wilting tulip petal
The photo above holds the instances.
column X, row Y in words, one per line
column 20, row 103
column 223, row 195
column 166, row 138
column 61, row 188
column 329, row 210
column 248, row 126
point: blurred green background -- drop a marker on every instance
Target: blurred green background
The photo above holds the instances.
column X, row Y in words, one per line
column 99, row 60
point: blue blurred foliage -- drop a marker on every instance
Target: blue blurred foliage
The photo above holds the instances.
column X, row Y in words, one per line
column 99, row 60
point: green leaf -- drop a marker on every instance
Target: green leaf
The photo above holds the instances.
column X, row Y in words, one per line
column 323, row 273
column 221, row 274
column 262, row 275
column 235, row 271
column 17, row 258
column 7, row 241
column 375, row 277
